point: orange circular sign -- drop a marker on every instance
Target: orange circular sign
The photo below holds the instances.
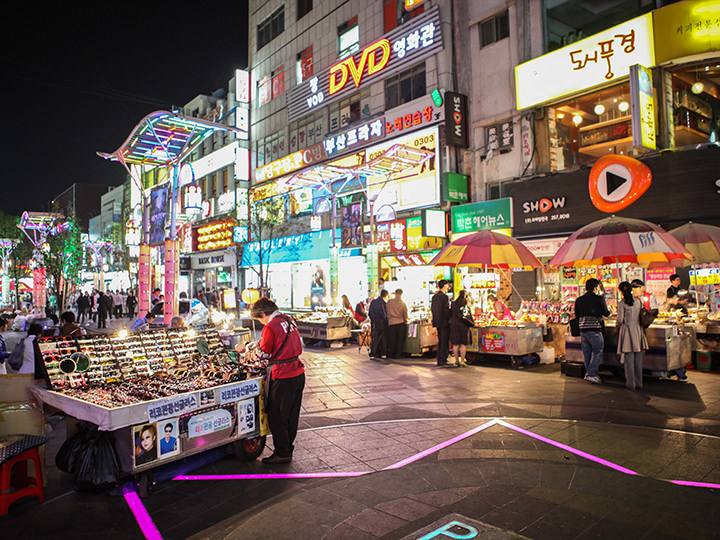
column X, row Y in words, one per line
column 617, row 181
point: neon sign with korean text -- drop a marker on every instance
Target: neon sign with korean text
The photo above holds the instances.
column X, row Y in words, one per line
column 598, row 59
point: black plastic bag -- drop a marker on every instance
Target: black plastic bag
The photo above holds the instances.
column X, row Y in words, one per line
column 90, row 456
column 67, row 457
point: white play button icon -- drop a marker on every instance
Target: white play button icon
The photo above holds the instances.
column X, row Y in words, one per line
column 614, row 182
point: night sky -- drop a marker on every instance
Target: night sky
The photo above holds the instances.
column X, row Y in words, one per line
column 78, row 78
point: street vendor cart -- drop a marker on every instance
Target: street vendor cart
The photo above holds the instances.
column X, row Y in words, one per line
column 161, row 395
column 324, row 325
column 514, row 340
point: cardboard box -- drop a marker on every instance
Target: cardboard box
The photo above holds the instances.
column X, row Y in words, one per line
column 16, row 387
column 21, row 417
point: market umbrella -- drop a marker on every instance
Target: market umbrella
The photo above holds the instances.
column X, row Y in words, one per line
column 616, row 240
column 703, row 241
column 486, row 248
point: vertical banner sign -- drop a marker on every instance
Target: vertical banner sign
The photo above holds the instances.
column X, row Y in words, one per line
column 642, row 107
column 159, row 198
column 456, row 122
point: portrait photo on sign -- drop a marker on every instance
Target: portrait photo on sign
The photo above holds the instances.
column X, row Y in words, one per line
column 169, row 435
column 145, row 441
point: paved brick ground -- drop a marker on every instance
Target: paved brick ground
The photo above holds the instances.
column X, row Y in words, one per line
column 363, row 416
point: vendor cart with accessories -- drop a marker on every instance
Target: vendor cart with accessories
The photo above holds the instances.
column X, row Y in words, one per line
column 157, row 396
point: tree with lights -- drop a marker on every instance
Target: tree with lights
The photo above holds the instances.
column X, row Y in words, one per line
column 19, row 254
column 63, row 260
column 266, row 221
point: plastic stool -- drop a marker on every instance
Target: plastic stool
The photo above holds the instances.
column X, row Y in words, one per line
column 23, row 484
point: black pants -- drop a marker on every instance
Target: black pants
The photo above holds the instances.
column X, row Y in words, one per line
column 118, row 312
column 396, row 339
column 443, row 344
column 378, row 339
column 102, row 320
column 283, row 410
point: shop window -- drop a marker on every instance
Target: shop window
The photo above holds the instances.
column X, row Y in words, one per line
column 305, row 132
column 303, row 8
column 696, row 105
column 349, row 38
column 349, row 110
column 304, row 65
column 271, row 27
column 225, row 184
column 584, row 129
column 405, row 86
column 395, row 13
column 270, row 148
column 494, row 29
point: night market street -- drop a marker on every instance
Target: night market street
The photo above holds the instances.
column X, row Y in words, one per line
column 380, row 418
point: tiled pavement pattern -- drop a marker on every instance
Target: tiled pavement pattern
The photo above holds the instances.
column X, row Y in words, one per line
column 362, row 415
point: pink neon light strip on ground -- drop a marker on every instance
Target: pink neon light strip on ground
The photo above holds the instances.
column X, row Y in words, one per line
column 142, row 517
column 567, row 448
column 440, row 446
column 266, row 476
column 695, row 484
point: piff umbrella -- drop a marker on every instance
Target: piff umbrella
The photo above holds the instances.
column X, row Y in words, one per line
column 703, row 241
column 621, row 240
column 486, row 248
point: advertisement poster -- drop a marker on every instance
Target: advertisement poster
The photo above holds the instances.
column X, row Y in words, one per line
column 145, row 443
column 493, row 342
column 209, row 426
column 169, row 445
column 158, row 214
column 352, row 226
column 247, row 420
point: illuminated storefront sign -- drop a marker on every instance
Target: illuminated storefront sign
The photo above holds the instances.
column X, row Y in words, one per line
column 456, row 119
column 418, row 187
column 642, row 105
column 411, row 42
column 603, row 57
column 418, row 113
column 687, row 28
column 484, row 215
column 225, row 203
column 214, row 235
column 240, row 235
column 391, row 237
column 216, row 160
column 290, row 163
column 242, row 86
column 347, row 140
column 415, row 238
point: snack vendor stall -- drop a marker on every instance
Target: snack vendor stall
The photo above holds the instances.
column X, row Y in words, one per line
column 513, row 339
column 327, row 324
column 162, row 395
column 421, row 335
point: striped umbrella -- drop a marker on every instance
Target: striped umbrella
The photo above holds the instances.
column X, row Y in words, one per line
column 621, row 240
column 703, row 241
column 486, row 248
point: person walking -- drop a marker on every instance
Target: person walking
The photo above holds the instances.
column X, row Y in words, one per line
column 4, row 353
column 94, row 300
column 631, row 337
column 102, row 310
column 397, row 314
column 130, row 303
column 459, row 331
column 440, row 308
column 83, row 305
column 118, row 304
column 279, row 349
column 590, row 308
column 377, row 311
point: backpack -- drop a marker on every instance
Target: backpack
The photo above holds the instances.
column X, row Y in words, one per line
column 15, row 360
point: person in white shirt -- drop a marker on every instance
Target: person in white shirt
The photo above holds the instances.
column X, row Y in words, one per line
column 118, row 304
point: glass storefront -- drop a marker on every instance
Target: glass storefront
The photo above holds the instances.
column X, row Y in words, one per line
column 695, row 104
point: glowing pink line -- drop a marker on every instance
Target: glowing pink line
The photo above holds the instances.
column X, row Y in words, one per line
column 695, row 484
column 567, row 448
column 440, row 446
column 266, row 476
column 142, row 517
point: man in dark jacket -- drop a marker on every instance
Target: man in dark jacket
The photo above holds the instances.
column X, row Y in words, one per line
column 441, row 320
column 377, row 312
column 590, row 308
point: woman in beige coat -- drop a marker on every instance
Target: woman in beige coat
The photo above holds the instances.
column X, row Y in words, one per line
column 631, row 337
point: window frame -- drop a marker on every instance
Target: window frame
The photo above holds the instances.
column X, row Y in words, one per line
column 498, row 25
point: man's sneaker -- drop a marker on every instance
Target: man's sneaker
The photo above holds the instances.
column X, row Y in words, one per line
column 594, row 380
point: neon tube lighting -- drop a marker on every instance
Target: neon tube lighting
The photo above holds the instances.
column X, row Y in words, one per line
column 147, row 526
column 269, row 476
column 695, row 484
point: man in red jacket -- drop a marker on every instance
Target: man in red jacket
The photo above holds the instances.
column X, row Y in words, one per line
column 279, row 348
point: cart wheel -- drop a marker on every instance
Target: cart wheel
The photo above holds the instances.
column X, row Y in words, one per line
column 515, row 362
column 145, row 482
column 249, row 449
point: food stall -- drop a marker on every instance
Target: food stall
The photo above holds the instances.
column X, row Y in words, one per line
column 512, row 339
column 554, row 317
column 328, row 324
column 421, row 335
column 162, row 395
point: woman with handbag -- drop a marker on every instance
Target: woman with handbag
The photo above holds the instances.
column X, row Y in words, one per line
column 459, row 328
column 631, row 337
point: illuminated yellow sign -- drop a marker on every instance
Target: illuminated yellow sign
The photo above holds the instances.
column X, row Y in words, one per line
column 686, row 28
column 642, row 105
column 290, row 163
column 215, row 235
column 599, row 59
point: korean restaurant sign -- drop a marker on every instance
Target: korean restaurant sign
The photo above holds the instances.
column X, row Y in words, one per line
column 687, row 28
column 290, row 163
column 642, row 106
column 405, row 45
column 484, row 215
column 596, row 60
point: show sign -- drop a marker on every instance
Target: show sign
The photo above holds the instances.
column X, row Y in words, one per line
column 405, row 45
column 456, row 121
column 683, row 188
